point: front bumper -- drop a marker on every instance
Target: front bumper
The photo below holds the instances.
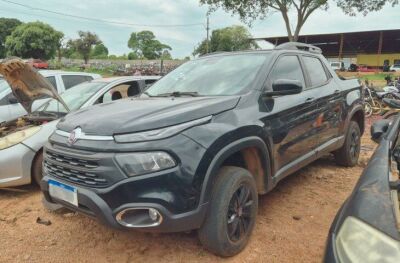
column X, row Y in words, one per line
column 93, row 205
column 15, row 165
column 173, row 192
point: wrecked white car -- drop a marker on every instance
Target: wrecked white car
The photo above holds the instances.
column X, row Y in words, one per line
column 22, row 140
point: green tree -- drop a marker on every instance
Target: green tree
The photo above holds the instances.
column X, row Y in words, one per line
column 249, row 10
column 132, row 56
column 352, row 7
column 84, row 44
column 34, row 39
column 7, row 26
column 166, row 55
column 144, row 44
column 99, row 51
column 233, row 38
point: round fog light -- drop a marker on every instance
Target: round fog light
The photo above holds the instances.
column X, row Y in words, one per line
column 153, row 214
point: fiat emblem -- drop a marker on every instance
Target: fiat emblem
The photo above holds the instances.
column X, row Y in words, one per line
column 74, row 136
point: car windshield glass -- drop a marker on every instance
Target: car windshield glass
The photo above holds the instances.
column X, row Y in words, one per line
column 3, row 85
column 75, row 97
column 211, row 76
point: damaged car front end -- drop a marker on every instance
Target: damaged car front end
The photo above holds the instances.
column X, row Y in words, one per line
column 17, row 148
column 367, row 227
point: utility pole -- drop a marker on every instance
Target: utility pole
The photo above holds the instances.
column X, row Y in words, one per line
column 208, row 33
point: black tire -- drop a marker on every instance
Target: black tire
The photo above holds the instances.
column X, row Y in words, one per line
column 37, row 168
column 232, row 214
column 350, row 151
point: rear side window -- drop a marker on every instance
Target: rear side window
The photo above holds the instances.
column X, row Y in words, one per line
column 52, row 80
column 315, row 70
column 72, row 80
column 287, row 67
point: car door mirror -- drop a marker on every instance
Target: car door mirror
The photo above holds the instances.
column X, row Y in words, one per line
column 378, row 130
column 12, row 99
column 283, row 87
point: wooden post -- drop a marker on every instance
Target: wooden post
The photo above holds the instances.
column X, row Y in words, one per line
column 380, row 48
column 341, row 47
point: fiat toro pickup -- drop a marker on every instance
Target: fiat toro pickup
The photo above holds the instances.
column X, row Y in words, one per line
column 196, row 149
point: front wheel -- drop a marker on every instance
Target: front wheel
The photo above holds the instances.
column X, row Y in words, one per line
column 232, row 213
column 37, row 168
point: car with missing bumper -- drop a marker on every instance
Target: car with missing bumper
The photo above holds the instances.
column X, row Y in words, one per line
column 196, row 149
column 22, row 139
column 367, row 227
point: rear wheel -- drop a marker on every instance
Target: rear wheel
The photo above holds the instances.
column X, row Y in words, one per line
column 232, row 213
column 367, row 109
column 350, row 151
column 37, row 168
column 376, row 107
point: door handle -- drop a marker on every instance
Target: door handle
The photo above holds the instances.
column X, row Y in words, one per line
column 310, row 99
column 336, row 91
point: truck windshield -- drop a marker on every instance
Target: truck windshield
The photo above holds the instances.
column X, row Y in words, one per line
column 211, row 76
column 74, row 97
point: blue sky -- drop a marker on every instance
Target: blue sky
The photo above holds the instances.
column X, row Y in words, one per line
column 167, row 12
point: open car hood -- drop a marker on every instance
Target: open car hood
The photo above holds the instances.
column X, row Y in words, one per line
column 26, row 83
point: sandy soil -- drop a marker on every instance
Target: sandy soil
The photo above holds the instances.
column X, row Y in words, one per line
column 292, row 225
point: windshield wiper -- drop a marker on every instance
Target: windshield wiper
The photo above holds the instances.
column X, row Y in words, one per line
column 179, row 94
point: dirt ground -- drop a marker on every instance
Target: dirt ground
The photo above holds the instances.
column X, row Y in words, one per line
column 292, row 225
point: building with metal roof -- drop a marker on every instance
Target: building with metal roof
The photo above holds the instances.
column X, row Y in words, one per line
column 371, row 48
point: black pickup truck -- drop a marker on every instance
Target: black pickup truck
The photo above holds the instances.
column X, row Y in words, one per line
column 196, row 149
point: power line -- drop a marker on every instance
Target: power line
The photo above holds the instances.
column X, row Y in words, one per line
column 100, row 20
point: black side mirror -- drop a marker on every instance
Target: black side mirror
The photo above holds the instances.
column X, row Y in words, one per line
column 12, row 99
column 283, row 87
column 378, row 130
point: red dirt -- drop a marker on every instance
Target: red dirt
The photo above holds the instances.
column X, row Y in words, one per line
column 312, row 196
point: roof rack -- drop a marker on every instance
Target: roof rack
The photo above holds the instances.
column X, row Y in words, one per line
column 299, row 46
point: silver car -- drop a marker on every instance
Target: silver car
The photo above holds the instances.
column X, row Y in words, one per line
column 61, row 80
column 22, row 140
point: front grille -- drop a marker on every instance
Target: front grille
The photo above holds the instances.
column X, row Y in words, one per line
column 71, row 160
column 78, row 171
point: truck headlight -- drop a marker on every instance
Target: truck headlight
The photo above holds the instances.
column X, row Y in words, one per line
column 159, row 134
column 359, row 242
column 146, row 162
column 17, row 137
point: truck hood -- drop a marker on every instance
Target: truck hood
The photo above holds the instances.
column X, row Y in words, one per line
column 26, row 83
column 140, row 114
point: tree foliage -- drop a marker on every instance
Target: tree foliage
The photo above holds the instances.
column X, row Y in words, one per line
column 100, row 51
column 144, row 44
column 33, row 40
column 84, row 44
column 232, row 38
column 7, row 26
column 352, row 7
column 249, row 10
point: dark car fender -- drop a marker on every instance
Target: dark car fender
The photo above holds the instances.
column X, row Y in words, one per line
column 253, row 141
column 357, row 114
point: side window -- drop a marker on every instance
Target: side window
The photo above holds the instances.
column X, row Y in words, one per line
column 149, row 82
column 287, row 67
column 88, row 78
column 121, row 91
column 315, row 70
column 4, row 100
column 53, row 82
column 72, row 80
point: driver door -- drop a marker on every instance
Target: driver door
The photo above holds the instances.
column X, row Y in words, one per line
column 293, row 117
